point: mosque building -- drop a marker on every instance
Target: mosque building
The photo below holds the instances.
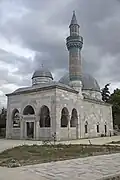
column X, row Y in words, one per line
column 71, row 108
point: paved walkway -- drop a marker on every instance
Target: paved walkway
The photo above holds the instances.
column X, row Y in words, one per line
column 92, row 168
column 6, row 144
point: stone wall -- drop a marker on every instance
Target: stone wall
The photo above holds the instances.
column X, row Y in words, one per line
column 72, row 133
column 16, row 133
column 93, row 112
column 92, row 94
column 45, row 133
column 66, row 133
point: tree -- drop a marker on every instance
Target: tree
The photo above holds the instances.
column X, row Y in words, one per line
column 105, row 93
column 3, row 116
column 114, row 99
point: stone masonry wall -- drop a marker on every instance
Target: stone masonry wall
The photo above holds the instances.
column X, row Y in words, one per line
column 94, row 113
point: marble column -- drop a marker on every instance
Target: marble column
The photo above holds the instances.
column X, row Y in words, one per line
column 78, row 128
column 21, row 128
column 53, row 118
column 57, row 122
column 69, row 135
column 9, row 125
column 37, row 128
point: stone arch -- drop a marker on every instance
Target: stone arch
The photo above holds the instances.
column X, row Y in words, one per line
column 86, row 127
column 16, row 118
column 74, row 118
column 45, row 120
column 28, row 110
column 64, row 117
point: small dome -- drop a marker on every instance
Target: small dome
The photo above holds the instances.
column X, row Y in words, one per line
column 42, row 72
column 88, row 82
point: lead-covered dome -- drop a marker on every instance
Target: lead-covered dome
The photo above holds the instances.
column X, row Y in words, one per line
column 42, row 72
column 88, row 82
column 41, row 75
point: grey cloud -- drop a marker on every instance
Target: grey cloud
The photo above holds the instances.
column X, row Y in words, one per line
column 99, row 26
column 15, row 62
column 37, row 4
column 6, row 78
column 40, row 39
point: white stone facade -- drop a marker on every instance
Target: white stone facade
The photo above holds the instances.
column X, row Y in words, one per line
column 90, row 113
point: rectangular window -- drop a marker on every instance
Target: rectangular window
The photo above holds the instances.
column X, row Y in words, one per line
column 98, row 130
column 86, row 129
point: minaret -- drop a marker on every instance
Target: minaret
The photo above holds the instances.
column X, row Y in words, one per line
column 74, row 46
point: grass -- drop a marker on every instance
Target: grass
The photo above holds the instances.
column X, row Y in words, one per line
column 26, row 155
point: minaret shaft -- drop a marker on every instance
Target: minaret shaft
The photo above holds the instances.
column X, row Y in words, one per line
column 74, row 45
column 74, row 63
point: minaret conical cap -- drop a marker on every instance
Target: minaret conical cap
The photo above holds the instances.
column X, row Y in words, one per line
column 74, row 20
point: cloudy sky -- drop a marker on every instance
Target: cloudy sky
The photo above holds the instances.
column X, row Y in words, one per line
column 33, row 32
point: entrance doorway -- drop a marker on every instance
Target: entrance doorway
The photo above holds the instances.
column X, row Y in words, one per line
column 30, row 130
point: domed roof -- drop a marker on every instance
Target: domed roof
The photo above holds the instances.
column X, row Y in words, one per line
column 42, row 72
column 88, row 82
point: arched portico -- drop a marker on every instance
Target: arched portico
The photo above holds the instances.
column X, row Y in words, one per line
column 15, row 118
column 74, row 118
column 75, row 124
column 45, row 120
column 29, row 121
column 64, row 117
column 28, row 110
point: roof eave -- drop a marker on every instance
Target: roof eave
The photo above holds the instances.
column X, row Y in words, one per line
column 43, row 88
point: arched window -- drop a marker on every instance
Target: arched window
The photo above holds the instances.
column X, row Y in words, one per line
column 64, row 117
column 105, row 126
column 98, row 127
column 28, row 110
column 74, row 118
column 45, row 120
column 86, row 127
column 16, row 118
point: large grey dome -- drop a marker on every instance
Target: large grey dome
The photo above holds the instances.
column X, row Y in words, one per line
column 42, row 72
column 88, row 82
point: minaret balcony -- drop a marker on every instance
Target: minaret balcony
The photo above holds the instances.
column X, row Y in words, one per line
column 75, row 38
column 74, row 41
